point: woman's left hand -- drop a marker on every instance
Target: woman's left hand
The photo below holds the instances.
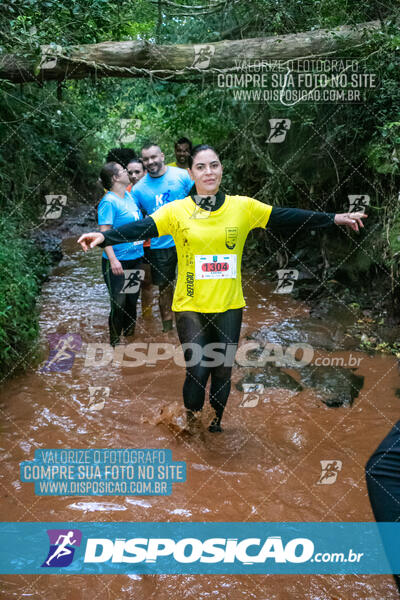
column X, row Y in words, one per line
column 352, row 220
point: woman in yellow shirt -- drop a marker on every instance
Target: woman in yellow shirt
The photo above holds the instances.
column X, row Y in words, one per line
column 209, row 229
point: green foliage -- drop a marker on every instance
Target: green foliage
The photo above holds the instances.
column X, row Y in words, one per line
column 22, row 266
column 384, row 152
column 26, row 24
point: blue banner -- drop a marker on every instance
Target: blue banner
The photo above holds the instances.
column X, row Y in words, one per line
column 197, row 548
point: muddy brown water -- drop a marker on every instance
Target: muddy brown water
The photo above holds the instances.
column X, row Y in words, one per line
column 264, row 467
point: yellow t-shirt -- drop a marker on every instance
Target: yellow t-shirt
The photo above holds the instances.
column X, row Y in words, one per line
column 173, row 164
column 210, row 247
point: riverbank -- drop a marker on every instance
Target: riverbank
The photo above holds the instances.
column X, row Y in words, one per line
column 27, row 258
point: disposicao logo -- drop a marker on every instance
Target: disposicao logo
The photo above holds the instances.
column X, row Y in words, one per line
column 62, row 547
column 191, row 550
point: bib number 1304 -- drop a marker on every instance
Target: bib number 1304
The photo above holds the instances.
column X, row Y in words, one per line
column 215, row 266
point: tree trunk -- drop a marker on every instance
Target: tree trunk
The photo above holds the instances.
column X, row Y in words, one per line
column 180, row 62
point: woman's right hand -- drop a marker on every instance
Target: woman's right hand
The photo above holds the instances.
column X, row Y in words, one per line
column 90, row 240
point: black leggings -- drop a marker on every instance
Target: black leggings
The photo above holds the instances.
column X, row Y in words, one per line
column 199, row 330
column 122, row 317
column 383, row 480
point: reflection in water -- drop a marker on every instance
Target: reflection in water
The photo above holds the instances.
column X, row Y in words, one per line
column 265, row 466
column 95, row 506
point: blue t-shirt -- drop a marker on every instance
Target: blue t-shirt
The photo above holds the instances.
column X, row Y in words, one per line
column 116, row 211
column 152, row 192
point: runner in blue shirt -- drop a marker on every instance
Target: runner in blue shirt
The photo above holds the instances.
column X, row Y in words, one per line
column 161, row 184
column 136, row 171
column 122, row 265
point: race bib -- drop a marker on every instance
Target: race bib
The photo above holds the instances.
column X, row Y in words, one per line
column 215, row 266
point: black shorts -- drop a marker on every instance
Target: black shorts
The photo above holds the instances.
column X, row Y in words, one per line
column 162, row 263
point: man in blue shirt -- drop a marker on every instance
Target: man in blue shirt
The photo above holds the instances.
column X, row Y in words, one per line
column 160, row 185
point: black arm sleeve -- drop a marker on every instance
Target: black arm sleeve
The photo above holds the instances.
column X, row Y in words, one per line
column 284, row 218
column 132, row 232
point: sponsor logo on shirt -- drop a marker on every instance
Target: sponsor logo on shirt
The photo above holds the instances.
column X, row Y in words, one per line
column 231, row 234
column 161, row 199
column 189, row 283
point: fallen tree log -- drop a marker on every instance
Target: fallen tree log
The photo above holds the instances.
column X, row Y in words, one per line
column 179, row 61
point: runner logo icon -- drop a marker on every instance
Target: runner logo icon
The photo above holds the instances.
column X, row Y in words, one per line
column 98, row 396
column 63, row 348
column 286, row 277
column 202, row 56
column 54, row 206
column 358, row 202
column 133, row 277
column 279, row 129
column 62, row 547
column 329, row 471
column 251, row 396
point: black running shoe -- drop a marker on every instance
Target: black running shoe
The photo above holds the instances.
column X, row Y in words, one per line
column 215, row 426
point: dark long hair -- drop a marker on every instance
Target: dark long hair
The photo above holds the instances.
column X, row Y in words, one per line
column 107, row 172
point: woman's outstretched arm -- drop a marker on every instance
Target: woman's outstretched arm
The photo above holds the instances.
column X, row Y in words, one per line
column 284, row 218
column 132, row 232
